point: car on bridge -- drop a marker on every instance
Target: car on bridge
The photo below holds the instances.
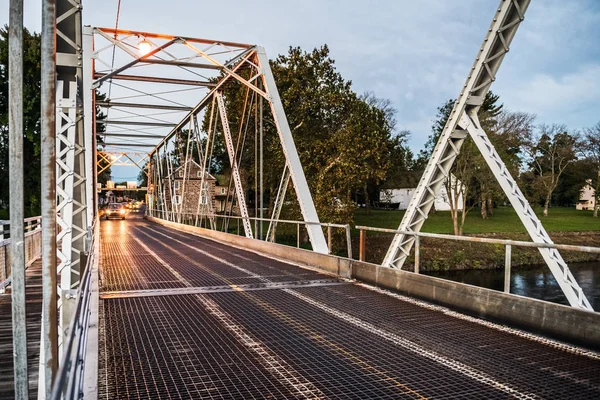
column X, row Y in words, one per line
column 115, row 210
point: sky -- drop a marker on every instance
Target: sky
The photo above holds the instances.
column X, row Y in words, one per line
column 415, row 53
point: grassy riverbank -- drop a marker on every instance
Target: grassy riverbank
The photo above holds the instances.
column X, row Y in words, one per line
column 565, row 225
column 505, row 219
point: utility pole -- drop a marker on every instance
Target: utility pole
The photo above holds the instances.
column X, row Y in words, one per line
column 15, row 166
column 49, row 333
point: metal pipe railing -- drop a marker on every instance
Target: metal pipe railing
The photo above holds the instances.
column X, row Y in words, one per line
column 33, row 247
column 505, row 242
column 69, row 380
column 192, row 219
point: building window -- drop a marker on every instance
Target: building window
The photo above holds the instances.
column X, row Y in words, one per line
column 222, row 190
column 199, row 174
column 177, row 185
column 181, row 174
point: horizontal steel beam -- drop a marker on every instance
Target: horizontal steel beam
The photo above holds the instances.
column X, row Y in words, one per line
column 129, row 190
column 139, row 123
column 154, row 79
column 171, row 37
column 132, row 135
column 127, row 145
column 141, row 105
column 185, row 64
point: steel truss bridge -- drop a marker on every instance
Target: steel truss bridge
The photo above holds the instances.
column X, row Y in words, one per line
column 191, row 301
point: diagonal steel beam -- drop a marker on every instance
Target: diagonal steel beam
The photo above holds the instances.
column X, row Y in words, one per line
column 96, row 84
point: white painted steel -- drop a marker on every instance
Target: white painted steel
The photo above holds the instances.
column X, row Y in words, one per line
column 463, row 122
column 235, row 173
column 307, row 207
column 503, row 28
column 281, row 191
column 554, row 260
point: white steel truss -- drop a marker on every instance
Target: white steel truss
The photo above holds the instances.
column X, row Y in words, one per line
column 195, row 64
column 281, row 191
column 71, row 152
column 235, row 173
column 463, row 122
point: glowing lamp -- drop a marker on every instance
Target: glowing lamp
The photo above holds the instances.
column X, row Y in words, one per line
column 144, row 47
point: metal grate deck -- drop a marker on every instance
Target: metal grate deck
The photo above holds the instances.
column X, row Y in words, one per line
column 242, row 335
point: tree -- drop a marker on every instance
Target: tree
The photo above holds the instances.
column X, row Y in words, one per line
column 506, row 135
column 31, row 120
column 591, row 151
column 471, row 180
column 343, row 139
column 551, row 149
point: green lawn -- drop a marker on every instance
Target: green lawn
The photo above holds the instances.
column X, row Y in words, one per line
column 503, row 220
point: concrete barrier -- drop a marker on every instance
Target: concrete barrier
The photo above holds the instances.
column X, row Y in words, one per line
column 549, row 319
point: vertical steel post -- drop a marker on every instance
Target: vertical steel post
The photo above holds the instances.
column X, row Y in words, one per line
column 362, row 245
column 49, row 334
column 349, row 241
column 507, row 266
column 307, row 206
column 417, row 253
column 15, row 166
column 329, row 238
column 298, row 235
column 260, row 166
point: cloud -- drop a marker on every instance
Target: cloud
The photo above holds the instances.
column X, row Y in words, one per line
column 551, row 96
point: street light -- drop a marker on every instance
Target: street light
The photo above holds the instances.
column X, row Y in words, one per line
column 144, row 47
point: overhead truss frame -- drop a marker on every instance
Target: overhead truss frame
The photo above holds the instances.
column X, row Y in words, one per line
column 203, row 57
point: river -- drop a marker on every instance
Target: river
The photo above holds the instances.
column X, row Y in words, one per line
column 536, row 281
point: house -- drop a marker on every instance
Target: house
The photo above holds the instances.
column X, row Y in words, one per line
column 402, row 197
column 186, row 185
column 587, row 197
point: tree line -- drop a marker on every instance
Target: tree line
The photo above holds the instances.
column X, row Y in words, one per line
column 349, row 143
column 550, row 162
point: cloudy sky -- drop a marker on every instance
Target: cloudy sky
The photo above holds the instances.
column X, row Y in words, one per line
column 415, row 53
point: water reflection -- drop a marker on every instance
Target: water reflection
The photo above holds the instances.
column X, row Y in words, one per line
column 536, row 282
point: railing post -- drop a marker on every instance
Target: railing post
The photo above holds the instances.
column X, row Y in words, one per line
column 298, row 235
column 507, row 266
column 362, row 245
column 329, row 238
column 349, row 241
column 417, row 253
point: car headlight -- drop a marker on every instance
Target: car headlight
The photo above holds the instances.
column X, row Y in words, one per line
column 122, row 211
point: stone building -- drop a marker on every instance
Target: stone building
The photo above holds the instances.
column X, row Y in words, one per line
column 187, row 195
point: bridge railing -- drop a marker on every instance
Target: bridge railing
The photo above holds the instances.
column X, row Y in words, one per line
column 33, row 247
column 223, row 223
column 508, row 245
column 70, row 378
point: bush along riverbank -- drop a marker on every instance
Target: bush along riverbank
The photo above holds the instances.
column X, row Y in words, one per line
column 445, row 255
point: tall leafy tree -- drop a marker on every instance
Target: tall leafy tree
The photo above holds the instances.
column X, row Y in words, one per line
column 471, row 173
column 31, row 120
column 550, row 149
column 343, row 139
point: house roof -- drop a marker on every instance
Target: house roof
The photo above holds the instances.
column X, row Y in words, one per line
column 194, row 167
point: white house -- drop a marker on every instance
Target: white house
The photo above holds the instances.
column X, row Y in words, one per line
column 403, row 196
column 587, row 197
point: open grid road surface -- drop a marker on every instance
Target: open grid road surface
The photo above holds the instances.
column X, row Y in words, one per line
column 186, row 317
